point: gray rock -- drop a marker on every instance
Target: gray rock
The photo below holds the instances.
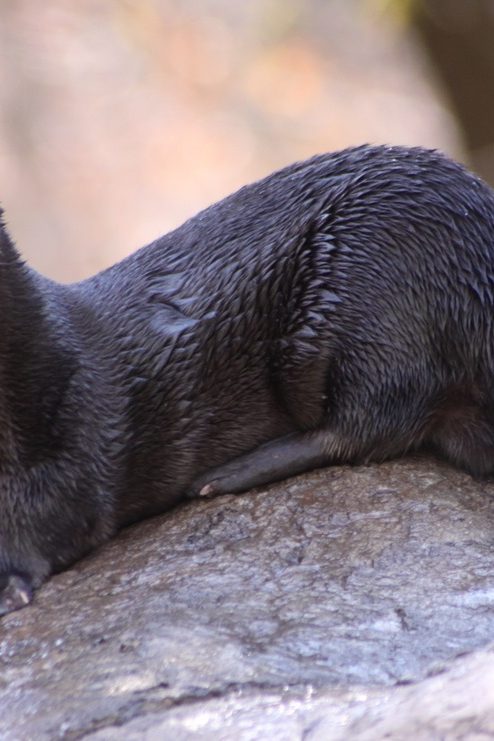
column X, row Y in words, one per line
column 321, row 607
column 458, row 704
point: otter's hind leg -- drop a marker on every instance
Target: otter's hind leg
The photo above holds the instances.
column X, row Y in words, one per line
column 275, row 460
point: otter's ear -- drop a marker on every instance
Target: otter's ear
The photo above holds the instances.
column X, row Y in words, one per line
column 15, row 591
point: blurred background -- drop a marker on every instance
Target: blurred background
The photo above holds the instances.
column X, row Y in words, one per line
column 119, row 119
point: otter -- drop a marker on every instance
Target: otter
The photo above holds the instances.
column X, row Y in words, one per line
column 339, row 310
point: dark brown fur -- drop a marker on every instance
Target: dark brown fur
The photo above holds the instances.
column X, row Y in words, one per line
column 339, row 310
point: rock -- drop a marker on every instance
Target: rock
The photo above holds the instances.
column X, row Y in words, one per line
column 455, row 705
column 332, row 605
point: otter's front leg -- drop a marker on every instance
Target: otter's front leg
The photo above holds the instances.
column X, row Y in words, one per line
column 272, row 461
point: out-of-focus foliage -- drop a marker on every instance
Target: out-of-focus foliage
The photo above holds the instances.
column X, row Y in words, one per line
column 400, row 10
column 120, row 119
column 458, row 37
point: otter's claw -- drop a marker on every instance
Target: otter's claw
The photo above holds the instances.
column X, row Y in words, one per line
column 15, row 592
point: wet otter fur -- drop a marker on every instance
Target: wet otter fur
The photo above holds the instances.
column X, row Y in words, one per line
column 340, row 310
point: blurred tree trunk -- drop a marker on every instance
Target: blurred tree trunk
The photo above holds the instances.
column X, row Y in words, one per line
column 459, row 37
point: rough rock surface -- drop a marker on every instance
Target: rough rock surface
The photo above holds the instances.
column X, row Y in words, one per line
column 351, row 602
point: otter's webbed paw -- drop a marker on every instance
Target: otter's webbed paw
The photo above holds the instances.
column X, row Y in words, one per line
column 15, row 591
